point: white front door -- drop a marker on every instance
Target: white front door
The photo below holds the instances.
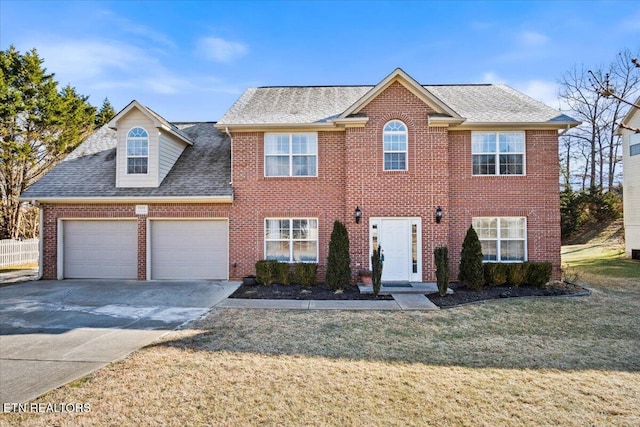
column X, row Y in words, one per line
column 399, row 239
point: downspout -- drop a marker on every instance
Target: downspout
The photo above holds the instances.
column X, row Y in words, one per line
column 40, row 239
column 226, row 130
column 565, row 131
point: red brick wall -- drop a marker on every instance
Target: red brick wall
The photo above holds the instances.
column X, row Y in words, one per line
column 416, row 192
column 257, row 197
column 534, row 196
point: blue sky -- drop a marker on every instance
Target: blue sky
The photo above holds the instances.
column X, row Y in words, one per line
column 192, row 60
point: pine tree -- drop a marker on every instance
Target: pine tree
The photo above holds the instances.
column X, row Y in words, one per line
column 105, row 114
column 471, row 269
column 338, row 264
column 39, row 125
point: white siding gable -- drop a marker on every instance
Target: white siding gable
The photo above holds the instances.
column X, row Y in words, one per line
column 136, row 118
column 170, row 149
column 164, row 151
column 631, row 185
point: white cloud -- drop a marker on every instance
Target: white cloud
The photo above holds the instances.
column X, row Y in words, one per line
column 108, row 64
column 491, row 77
column 541, row 90
column 532, row 39
column 220, row 50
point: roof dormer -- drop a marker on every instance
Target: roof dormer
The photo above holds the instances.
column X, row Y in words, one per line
column 147, row 148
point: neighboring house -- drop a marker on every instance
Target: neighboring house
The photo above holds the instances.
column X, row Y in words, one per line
column 155, row 200
column 631, row 181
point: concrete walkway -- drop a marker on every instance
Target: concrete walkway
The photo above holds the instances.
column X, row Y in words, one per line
column 400, row 302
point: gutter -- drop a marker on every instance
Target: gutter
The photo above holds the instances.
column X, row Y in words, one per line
column 226, row 130
column 130, row 199
column 40, row 240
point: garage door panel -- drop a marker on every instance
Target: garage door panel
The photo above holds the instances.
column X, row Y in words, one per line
column 189, row 249
column 100, row 249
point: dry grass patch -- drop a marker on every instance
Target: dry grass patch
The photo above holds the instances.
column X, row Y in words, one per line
column 552, row 361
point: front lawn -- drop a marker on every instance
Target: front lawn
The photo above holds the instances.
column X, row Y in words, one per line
column 559, row 361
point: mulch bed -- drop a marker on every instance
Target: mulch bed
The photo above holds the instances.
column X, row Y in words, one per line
column 461, row 295
column 298, row 292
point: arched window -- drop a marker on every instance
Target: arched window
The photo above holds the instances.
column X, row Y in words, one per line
column 394, row 139
column 137, row 151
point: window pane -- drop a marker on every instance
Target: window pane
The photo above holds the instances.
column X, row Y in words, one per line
column 512, row 228
column 305, row 251
column 137, row 133
column 277, row 165
column 304, row 144
column 304, row 165
column 511, row 164
column 634, row 150
column 395, row 125
column 484, row 164
column 276, row 144
column 305, row 229
column 511, row 142
column 483, row 142
column 486, row 228
column 512, row 250
column 137, row 165
column 277, row 229
column 489, row 250
column 395, row 161
column 278, row 250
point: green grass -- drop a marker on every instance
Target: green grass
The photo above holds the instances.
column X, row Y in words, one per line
column 600, row 260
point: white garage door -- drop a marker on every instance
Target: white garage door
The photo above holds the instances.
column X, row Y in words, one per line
column 100, row 249
column 183, row 249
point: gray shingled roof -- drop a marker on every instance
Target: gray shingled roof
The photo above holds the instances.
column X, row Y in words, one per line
column 482, row 103
column 203, row 169
column 311, row 104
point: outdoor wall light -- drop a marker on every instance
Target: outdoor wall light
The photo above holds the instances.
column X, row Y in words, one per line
column 438, row 215
column 358, row 215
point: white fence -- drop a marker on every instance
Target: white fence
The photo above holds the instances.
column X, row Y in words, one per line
column 16, row 252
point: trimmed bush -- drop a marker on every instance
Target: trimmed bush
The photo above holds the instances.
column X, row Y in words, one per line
column 441, row 255
column 538, row 273
column 518, row 274
column 305, row 274
column 376, row 265
column 265, row 271
column 338, row 263
column 471, row 270
column 281, row 273
column 495, row 273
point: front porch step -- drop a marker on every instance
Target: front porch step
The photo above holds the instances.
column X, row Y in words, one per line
column 414, row 288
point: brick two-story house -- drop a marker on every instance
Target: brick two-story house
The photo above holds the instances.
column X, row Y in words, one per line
column 405, row 166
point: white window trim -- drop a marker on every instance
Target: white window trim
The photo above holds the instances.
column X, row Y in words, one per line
column 136, row 138
column 405, row 151
column 498, row 239
column 289, row 154
column 497, row 153
column 291, row 240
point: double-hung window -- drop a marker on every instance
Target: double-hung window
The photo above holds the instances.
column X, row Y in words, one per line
column 290, row 154
column 498, row 153
column 394, row 142
column 634, row 144
column 291, row 239
column 503, row 239
column 137, row 151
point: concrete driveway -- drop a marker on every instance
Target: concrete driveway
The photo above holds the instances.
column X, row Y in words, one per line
column 52, row 332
